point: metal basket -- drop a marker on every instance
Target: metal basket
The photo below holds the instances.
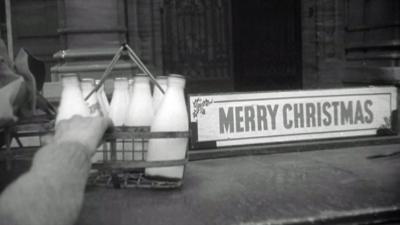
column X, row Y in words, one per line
column 123, row 159
column 115, row 169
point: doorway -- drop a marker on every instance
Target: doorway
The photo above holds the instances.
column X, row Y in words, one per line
column 266, row 45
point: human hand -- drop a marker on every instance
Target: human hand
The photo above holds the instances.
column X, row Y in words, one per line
column 84, row 130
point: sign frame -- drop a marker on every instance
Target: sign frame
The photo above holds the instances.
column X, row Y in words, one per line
column 201, row 104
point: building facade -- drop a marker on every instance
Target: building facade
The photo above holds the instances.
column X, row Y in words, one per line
column 219, row 45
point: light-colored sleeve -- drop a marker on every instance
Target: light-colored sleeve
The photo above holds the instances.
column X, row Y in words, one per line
column 51, row 192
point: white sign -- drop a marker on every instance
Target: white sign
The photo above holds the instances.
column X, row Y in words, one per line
column 265, row 117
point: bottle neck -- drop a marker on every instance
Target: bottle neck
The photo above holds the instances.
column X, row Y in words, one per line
column 70, row 82
column 176, row 81
column 87, row 86
column 163, row 82
column 121, row 85
column 141, row 84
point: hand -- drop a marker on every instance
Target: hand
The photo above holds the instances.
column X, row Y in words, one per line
column 84, row 130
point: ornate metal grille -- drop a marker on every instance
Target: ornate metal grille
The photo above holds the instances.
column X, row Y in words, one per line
column 197, row 38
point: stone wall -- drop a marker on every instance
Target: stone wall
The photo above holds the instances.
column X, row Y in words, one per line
column 338, row 36
column 323, row 43
column 145, row 31
column 35, row 25
column 349, row 42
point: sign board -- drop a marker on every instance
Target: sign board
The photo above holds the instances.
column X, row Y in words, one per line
column 265, row 117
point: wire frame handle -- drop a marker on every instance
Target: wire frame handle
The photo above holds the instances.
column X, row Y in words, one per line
column 133, row 56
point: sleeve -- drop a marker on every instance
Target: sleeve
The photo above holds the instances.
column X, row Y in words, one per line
column 52, row 191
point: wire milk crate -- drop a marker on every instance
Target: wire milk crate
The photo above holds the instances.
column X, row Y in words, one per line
column 123, row 154
column 123, row 164
column 122, row 161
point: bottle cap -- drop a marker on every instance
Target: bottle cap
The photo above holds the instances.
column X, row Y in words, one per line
column 69, row 75
column 177, row 76
column 161, row 77
column 68, row 79
column 121, row 79
column 176, row 80
column 121, row 82
column 141, row 78
column 88, row 81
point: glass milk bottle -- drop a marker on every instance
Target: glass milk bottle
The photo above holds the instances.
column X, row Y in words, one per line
column 171, row 116
column 140, row 113
column 118, row 109
column 72, row 102
column 157, row 94
column 103, row 151
column 119, row 101
column 103, row 101
column 130, row 81
column 87, row 85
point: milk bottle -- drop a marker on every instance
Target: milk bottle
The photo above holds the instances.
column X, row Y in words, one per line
column 140, row 112
column 72, row 102
column 87, row 85
column 157, row 94
column 130, row 81
column 119, row 108
column 173, row 105
column 102, row 98
column 119, row 101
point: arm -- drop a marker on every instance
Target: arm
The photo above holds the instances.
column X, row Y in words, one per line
column 52, row 191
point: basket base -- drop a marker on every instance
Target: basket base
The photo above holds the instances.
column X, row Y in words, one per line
column 131, row 180
column 162, row 179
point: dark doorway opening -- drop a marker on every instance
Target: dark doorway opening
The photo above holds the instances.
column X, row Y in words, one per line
column 266, row 44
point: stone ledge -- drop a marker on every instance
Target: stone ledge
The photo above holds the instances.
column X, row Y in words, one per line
column 367, row 75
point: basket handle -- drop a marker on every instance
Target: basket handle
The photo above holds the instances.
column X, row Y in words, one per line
column 132, row 55
column 107, row 72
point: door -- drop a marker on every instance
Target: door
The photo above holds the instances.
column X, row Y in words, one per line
column 266, row 44
column 196, row 38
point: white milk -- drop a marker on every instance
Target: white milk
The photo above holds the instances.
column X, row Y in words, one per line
column 72, row 102
column 103, row 101
column 171, row 116
column 140, row 111
column 87, row 85
column 157, row 94
column 119, row 108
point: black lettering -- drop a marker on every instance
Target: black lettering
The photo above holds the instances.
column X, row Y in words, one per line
column 335, row 112
column 319, row 116
column 226, row 121
column 328, row 118
column 239, row 118
column 370, row 116
column 272, row 113
column 262, row 117
column 359, row 117
column 298, row 115
column 249, row 118
column 346, row 113
column 310, row 114
column 288, row 124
